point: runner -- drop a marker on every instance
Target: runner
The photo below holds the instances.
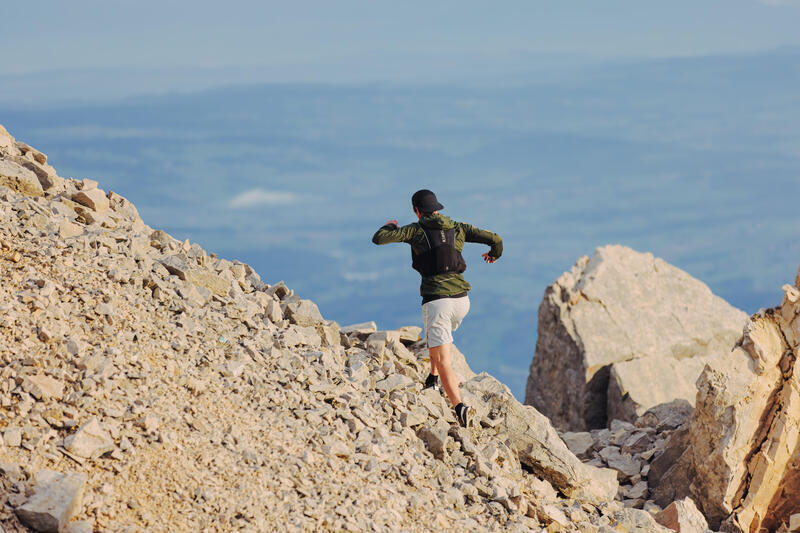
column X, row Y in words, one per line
column 436, row 243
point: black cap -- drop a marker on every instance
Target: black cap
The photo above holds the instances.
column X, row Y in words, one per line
column 426, row 201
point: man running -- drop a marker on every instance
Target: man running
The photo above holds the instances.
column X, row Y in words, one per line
column 436, row 243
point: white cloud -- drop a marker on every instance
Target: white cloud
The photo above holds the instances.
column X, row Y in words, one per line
column 257, row 197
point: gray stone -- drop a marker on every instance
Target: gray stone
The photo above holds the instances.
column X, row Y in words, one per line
column 580, row 443
column 618, row 306
column 57, row 498
column 394, row 382
column 670, row 471
column 435, row 438
column 625, row 465
column 303, row 313
column 89, row 441
column 637, row 491
column 666, row 416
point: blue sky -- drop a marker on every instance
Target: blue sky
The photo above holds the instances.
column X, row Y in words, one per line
column 300, row 39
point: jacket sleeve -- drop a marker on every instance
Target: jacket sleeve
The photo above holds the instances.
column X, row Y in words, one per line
column 482, row 236
column 388, row 234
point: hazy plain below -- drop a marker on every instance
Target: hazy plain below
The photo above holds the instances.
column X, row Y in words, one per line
column 696, row 160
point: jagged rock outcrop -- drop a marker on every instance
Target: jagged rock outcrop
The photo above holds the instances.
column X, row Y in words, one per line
column 622, row 332
column 168, row 389
column 744, row 438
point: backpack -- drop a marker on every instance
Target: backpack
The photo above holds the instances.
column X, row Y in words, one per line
column 441, row 256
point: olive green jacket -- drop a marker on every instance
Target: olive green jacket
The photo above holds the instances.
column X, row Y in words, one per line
column 448, row 284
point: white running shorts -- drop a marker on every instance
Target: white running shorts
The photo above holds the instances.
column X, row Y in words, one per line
column 442, row 317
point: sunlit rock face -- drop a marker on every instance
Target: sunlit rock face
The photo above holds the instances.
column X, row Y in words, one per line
column 621, row 332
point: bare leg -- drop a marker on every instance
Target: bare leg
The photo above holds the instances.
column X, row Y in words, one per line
column 440, row 364
column 434, row 362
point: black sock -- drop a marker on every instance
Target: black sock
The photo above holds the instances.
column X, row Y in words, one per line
column 431, row 380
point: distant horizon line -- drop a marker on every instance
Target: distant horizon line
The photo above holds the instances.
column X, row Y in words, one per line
column 582, row 58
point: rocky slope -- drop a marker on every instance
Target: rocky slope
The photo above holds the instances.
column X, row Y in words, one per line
column 146, row 385
column 620, row 333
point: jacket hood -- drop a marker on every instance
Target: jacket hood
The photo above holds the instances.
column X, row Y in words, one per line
column 437, row 221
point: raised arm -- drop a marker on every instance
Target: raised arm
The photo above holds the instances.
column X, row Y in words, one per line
column 482, row 236
column 391, row 233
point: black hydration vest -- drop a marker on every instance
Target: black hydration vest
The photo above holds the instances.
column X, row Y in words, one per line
column 441, row 256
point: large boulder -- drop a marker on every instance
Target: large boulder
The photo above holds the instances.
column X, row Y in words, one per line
column 745, row 434
column 601, row 317
column 536, row 443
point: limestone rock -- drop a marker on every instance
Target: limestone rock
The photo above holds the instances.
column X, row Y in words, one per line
column 12, row 437
column 90, row 441
column 44, row 173
column 410, row 334
column 666, row 416
column 31, row 152
column 638, row 384
column 56, row 499
column 744, row 435
column 20, row 179
column 122, row 206
column 538, row 445
column 671, row 471
column 6, row 140
column 364, row 328
column 682, row 516
column 435, row 438
column 303, row 313
column 273, row 311
column 394, row 382
column 580, row 443
column 43, row 387
column 620, row 306
column 94, row 199
column 67, row 229
column 210, row 280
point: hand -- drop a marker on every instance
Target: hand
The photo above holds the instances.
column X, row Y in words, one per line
column 488, row 258
column 392, row 223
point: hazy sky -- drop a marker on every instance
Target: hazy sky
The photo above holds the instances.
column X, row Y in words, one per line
column 44, row 35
